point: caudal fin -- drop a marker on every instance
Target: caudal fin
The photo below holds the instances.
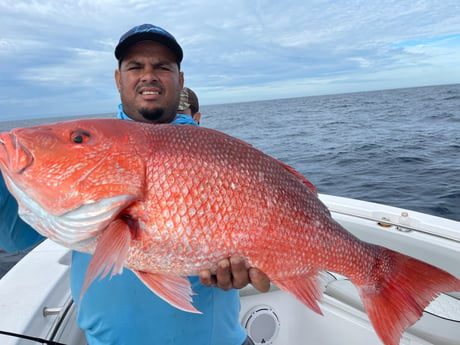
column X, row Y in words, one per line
column 396, row 301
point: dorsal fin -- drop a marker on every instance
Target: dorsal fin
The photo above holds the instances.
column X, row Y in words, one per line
column 310, row 185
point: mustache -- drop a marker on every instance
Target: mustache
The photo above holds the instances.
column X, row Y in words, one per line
column 150, row 84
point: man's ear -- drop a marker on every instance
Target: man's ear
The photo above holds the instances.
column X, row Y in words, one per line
column 117, row 79
column 197, row 117
column 181, row 80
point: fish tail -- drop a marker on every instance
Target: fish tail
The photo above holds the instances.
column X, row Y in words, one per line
column 396, row 300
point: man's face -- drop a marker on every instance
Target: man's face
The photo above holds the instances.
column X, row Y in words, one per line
column 149, row 82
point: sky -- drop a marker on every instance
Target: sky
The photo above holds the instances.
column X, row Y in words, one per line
column 56, row 57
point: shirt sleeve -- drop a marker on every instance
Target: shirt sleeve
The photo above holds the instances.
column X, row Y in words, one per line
column 15, row 234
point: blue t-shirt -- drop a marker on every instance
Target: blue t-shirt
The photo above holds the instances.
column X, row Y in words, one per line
column 122, row 310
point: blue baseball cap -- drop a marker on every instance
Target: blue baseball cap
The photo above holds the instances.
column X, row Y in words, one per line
column 147, row 32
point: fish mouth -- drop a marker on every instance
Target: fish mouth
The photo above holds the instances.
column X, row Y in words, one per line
column 14, row 157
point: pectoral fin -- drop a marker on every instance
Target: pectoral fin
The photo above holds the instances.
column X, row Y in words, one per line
column 111, row 251
column 175, row 290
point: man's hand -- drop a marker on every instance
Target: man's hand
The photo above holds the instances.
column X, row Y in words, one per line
column 232, row 273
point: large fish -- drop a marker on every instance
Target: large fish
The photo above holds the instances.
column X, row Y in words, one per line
column 169, row 200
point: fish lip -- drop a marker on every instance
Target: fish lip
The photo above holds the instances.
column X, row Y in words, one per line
column 22, row 158
column 4, row 156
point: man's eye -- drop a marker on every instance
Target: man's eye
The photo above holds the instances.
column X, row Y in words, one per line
column 165, row 67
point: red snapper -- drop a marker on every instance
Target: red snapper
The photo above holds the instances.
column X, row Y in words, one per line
column 167, row 201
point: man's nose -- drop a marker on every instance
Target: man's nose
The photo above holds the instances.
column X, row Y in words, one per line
column 149, row 75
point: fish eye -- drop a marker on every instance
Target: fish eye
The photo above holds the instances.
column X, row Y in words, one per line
column 79, row 137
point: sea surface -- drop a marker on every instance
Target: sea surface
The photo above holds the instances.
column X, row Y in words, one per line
column 398, row 147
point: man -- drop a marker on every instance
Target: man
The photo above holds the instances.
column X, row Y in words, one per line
column 189, row 105
column 122, row 310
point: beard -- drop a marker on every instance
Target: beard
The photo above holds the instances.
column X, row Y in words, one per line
column 151, row 115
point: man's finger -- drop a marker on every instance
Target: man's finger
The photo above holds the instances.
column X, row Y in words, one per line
column 259, row 280
column 207, row 278
column 224, row 275
column 239, row 272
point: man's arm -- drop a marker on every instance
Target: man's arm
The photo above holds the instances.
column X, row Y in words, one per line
column 232, row 273
column 15, row 234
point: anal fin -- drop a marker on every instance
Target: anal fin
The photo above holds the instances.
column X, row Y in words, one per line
column 307, row 288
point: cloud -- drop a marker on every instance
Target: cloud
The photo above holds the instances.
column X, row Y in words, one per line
column 58, row 56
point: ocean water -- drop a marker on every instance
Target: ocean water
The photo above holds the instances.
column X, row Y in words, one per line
column 398, row 147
